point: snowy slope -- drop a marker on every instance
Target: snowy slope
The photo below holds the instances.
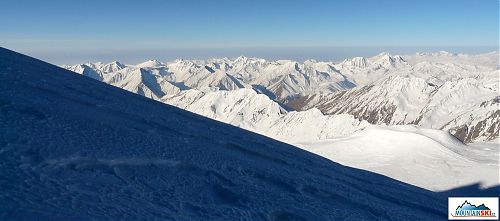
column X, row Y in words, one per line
column 244, row 108
column 424, row 157
column 74, row 148
column 312, row 125
column 247, row 109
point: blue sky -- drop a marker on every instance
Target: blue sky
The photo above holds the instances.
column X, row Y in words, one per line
column 88, row 30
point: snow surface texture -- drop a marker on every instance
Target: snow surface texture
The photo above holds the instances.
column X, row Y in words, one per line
column 424, row 157
column 72, row 148
column 453, row 92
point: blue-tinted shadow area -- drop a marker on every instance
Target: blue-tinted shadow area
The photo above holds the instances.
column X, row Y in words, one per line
column 473, row 190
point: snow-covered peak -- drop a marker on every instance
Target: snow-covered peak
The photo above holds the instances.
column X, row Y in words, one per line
column 437, row 54
column 112, row 67
column 181, row 65
column 356, row 62
column 87, row 70
column 243, row 60
column 384, row 54
column 153, row 63
column 445, row 53
column 387, row 60
column 310, row 61
column 382, row 62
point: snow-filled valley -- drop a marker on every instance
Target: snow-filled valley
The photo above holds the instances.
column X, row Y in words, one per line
column 73, row 148
column 329, row 108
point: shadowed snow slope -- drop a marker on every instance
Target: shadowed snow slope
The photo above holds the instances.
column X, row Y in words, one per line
column 428, row 158
column 73, row 148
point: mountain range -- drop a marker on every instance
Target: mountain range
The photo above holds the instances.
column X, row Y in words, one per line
column 452, row 92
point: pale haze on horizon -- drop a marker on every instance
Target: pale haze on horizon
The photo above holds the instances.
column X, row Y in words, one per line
column 130, row 32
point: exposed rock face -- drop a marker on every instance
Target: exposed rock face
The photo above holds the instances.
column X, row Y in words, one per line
column 485, row 127
column 446, row 107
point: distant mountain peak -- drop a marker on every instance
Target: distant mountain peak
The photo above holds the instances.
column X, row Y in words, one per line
column 358, row 62
column 241, row 59
column 445, row 53
column 113, row 66
column 387, row 60
column 116, row 63
column 385, row 54
column 150, row 63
